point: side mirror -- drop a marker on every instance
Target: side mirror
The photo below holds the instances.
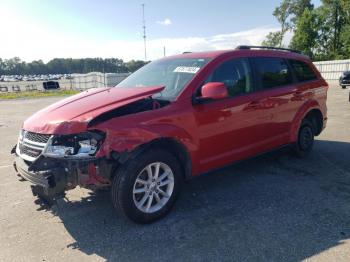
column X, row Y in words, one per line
column 213, row 91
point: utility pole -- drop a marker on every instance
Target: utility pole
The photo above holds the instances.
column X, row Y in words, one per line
column 164, row 51
column 144, row 29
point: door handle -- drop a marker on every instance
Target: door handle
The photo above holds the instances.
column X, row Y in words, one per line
column 298, row 95
column 253, row 105
column 298, row 92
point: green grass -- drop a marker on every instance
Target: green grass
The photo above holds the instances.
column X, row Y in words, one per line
column 36, row 94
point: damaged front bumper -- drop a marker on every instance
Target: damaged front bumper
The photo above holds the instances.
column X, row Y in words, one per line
column 50, row 178
column 55, row 164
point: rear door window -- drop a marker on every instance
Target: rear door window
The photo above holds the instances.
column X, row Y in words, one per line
column 272, row 72
column 302, row 71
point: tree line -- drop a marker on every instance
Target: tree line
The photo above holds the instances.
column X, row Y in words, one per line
column 323, row 33
column 15, row 66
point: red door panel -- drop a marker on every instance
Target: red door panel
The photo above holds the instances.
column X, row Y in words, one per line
column 230, row 129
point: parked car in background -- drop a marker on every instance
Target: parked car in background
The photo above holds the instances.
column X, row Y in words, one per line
column 49, row 85
column 173, row 119
column 10, row 79
column 344, row 79
column 68, row 77
column 42, row 77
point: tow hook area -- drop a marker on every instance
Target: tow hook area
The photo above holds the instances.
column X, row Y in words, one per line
column 48, row 184
column 92, row 178
column 51, row 178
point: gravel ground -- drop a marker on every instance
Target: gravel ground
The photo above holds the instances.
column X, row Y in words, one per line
column 270, row 208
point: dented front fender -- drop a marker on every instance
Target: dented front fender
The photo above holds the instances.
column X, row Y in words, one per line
column 129, row 139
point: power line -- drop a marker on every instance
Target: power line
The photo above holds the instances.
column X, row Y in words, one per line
column 144, row 29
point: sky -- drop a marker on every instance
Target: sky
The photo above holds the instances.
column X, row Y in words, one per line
column 34, row 29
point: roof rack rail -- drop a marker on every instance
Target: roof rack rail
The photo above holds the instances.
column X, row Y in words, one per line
column 243, row 47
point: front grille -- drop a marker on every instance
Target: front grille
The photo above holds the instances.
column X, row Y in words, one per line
column 23, row 149
column 35, row 137
column 31, row 145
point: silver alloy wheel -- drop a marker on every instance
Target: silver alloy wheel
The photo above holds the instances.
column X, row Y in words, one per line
column 153, row 187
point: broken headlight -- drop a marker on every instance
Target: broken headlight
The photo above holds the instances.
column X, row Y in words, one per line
column 80, row 145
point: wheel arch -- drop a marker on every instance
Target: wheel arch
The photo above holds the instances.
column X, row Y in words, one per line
column 312, row 111
column 316, row 118
column 171, row 145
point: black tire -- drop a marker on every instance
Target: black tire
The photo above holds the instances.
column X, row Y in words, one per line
column 124, row 180
column 343, row 87
column 305, row 142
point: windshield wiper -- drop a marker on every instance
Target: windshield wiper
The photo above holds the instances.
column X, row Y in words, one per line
column 159, row 97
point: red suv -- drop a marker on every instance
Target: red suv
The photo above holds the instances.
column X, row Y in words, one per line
column 173, row 119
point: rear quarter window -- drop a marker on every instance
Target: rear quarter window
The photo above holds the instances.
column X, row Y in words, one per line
column 302, row 70
column 272, row 72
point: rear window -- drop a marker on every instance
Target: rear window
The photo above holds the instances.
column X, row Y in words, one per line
column 272, row 72
column 302, row 71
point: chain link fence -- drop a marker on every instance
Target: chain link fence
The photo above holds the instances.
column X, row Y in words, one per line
column 76, row 82
column 331, row 70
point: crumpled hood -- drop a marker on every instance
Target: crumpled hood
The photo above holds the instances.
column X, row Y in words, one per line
column 72, row 115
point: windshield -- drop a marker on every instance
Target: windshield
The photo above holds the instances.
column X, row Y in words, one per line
column 174, row 74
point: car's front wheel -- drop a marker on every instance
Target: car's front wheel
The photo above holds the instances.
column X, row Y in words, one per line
column 145, row 188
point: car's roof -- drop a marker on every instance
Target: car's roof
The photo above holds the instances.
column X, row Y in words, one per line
column 243, row 52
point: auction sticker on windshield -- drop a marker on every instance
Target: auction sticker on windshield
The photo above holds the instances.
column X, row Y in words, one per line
column 186, row 69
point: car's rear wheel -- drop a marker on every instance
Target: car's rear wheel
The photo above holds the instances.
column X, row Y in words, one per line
column 305, row 141
column 145, row 188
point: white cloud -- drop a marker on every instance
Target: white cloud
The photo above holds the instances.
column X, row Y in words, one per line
column 34, row 41
column 165, row 22
column 197, row 44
